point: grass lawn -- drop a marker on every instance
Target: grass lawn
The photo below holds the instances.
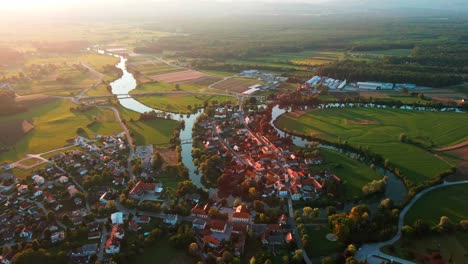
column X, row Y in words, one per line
column 320, row 245
column 162, row 252
column 451, row 246
column 379, row 129
column 178, row 103
column 161, row 86
column 354, row 173
column 98, row 90
column 157, row 131
column 54, row 124
column 450, row 201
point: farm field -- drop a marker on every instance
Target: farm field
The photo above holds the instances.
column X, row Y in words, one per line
column 275, row 65
column 379, row 129
column 54, row 124
column 354, row 173
column 177, row 77
column 160, row 87
column 65, row 80
column 308, row 57
column 98, row 90
column 389, row 52
column 452, row 247
column 179, row 103
column 393, row 96
column 237, row 85
column 447, row 201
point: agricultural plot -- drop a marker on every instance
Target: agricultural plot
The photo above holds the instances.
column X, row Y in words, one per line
column 145, row 71
column 379, row 130
column 447, row 201
column 163, row 87
column 177, row 77
column 54, row 124
column 236, row 85
column 66, row 80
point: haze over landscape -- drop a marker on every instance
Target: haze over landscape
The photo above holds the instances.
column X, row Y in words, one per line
column 234, row 131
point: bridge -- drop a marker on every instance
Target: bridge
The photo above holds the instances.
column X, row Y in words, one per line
column 186, row 141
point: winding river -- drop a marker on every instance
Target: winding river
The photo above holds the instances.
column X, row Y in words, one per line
column 125, row 84
column 396, row 190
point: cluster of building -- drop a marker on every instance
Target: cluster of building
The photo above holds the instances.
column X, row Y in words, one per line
column 335, row 84
column 266, row 158
column 272, row 81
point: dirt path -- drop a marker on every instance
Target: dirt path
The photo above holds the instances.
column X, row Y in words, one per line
column 453, row 147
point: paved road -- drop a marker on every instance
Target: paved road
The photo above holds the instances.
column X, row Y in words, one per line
column 373, row 249
column 102, row 244
column 127, row 135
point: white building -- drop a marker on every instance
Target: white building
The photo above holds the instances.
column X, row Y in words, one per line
column 375, row 86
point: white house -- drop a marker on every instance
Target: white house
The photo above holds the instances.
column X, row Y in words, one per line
column 63, row 179
column 117, row 218
column 38, row 180
column 170, row 219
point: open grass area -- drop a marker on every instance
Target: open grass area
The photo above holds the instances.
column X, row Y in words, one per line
column 452, row 247
column 179, row 103
column 162, row 252
column 354, row 173
column 379, row 130
column 389, row 52
column 308, row 57
column 161, row 86
column 321, row 246
column 54, row 124
column 157, row 131
column 98, row 90
column 450, row 201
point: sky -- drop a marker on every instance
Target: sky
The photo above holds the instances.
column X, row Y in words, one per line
column 54, row 6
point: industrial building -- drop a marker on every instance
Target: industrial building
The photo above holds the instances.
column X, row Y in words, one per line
column 374, row 86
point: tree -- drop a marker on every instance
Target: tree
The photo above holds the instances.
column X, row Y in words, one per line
column 227, row 256
column 193, row 248
column 157, row 161
column 252, row 260
column 403, row 137
column 35, row 245
column 50, row 217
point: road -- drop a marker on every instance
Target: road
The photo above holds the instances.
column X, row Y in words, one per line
column 368, row 250
column 128, row 136
column 280, row 159
column 102, row 244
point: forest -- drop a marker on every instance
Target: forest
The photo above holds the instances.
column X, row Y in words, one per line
column 438, row 48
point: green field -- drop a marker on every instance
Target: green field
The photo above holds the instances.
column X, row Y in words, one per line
column 321, row 246
column 379, row 129
column 54, row 124
column 308, row 57
column 354, row 173
column 450, row 201
column 161, row 86
column 389, row 52
column 178, row 103
column 452, row 247
column 98, row 90
column 162, row 252
column 157, row 131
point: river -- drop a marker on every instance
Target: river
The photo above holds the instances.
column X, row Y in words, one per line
column 127, row 83
column 396, row 189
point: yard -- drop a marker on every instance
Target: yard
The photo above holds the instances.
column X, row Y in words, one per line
column 379, row 130
column 354, row 173
column 54, row 124
column 320, row 245
column 450, row 201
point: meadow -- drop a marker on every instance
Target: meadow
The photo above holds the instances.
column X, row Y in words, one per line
column 157, row 131
column 447, row 201
column 379, row 130
column 452, row 247
column 354, row 173
column 54, row 125
column 179, row 103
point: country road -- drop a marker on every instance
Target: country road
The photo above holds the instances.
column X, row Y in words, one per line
column 453, row 147
column 127, row 135
column 373, row 249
